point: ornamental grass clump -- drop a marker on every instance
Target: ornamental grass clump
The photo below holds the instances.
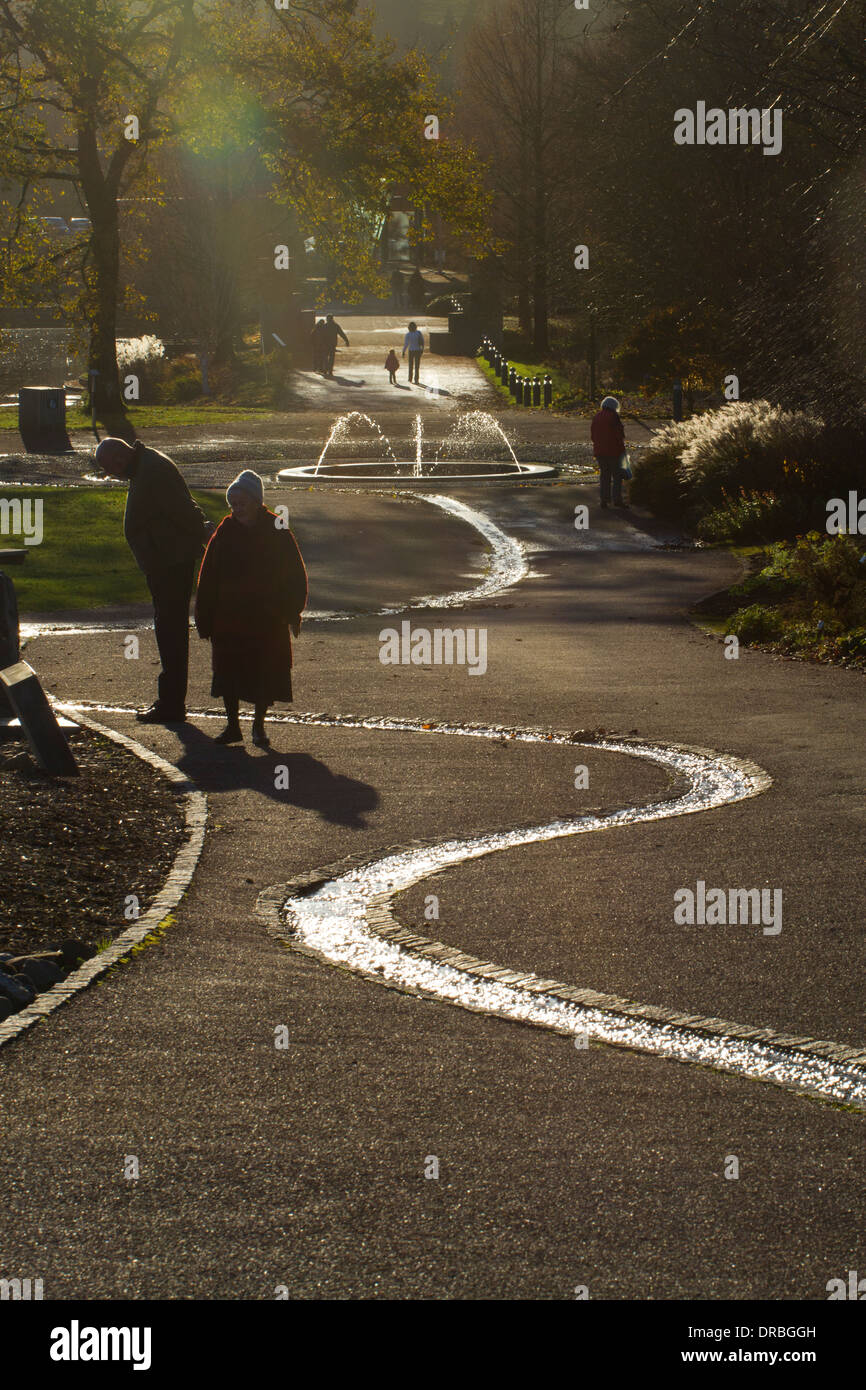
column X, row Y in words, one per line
column 747, row 444
column 144, row 359
column 744, row 461
column 139, row 352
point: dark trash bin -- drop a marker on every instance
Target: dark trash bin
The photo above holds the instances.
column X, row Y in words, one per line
column 42, row 408
column 42, row 418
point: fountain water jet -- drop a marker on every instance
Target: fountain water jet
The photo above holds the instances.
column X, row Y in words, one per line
column 419, row 434
column 471, row 429
column 340, row 429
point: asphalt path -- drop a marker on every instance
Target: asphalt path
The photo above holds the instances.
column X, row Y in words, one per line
column 558, row 1166
column 360, row 381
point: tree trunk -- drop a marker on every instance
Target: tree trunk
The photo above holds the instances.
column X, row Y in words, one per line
column 224, row 347
column 524, row 307
column 539, row 248
column 418, row 248
column 106, row 392
column 540, row 329
column 102, row 278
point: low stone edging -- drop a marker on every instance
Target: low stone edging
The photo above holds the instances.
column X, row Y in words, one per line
column 382, row 922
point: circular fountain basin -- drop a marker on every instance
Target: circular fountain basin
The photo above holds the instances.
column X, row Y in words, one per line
column 406, row 474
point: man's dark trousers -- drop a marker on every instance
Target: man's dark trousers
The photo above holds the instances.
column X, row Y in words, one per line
column 414, row 364
column 171, row 590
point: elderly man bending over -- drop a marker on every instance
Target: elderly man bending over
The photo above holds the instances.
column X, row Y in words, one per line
column 166, row 531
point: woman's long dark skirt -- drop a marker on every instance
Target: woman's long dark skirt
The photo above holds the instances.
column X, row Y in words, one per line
column 255, row 668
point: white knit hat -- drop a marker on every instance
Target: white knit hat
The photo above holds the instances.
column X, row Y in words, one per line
column 250, row 482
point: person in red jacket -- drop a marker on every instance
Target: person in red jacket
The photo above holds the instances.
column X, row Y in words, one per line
column 608, row 445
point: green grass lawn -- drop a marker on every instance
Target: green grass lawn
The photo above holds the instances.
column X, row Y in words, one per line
column 83, row 561
column 569, row 383
column 561, row 384
column 148, row 417
column 568, row 396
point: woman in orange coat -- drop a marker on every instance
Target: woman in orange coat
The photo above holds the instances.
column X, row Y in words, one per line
column 251, row 589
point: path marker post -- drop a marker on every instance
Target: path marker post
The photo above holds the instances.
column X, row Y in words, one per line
column 45, row 736
column 10, row 648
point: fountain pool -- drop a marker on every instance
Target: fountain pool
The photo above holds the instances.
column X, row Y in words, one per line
column 458, row 458
column 405, row 473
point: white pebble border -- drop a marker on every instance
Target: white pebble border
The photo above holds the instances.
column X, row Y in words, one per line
column 176, row 884
column 342, row 915
column 507, row 565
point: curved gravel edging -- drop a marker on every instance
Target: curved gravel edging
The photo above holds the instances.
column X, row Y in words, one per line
column 507, row 565
column 176, row 884
column 779, row 1050
column 372, row 943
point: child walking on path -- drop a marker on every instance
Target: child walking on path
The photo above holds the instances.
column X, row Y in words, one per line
column 392, row 366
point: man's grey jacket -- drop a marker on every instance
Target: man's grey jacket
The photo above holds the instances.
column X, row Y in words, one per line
column 162, row 523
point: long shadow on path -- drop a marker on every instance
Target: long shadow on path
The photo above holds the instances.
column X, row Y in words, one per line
column 311, row 784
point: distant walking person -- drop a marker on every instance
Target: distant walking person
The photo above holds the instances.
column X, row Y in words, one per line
column 331, row 332
column 252, row 588
column 317, row 341
column 392, row 366
column 397, row 289
column 416, row 292
column 165, row 530
column 608, row 445
column 413, row 343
